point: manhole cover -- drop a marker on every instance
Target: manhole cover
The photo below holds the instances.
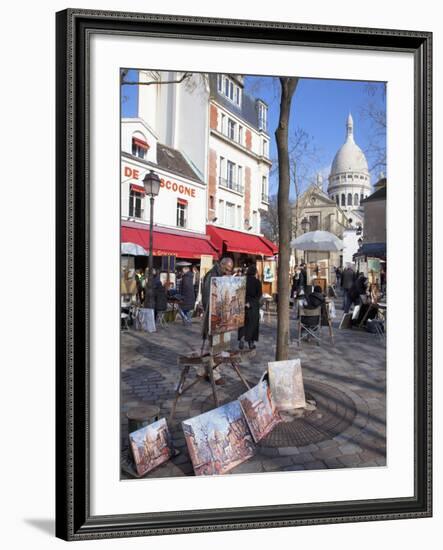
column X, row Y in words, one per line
column 335, row 412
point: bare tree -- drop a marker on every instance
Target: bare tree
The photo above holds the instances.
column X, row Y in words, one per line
column 288, row 87
column 374, row 111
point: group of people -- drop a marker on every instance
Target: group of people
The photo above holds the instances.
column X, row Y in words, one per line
column 355, row 288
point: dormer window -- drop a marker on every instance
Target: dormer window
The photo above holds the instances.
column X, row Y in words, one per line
column 262, row 116
column 139, row 146
column 229, row 89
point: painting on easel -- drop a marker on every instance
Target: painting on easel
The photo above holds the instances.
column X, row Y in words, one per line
column 227, row 304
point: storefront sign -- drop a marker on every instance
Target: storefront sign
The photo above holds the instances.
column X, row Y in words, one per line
column 133, row 173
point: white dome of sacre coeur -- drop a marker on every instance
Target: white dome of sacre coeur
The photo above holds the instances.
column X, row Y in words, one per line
column 349, row 158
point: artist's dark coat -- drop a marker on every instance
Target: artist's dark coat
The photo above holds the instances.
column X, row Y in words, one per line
column 252, row 313
column 160, row 295
column 188, row 291
column 215, row 271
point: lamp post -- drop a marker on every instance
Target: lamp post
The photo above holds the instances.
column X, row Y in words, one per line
column 304, row 227
column 151, row 181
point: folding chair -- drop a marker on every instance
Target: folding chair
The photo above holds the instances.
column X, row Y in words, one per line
column 309, row 324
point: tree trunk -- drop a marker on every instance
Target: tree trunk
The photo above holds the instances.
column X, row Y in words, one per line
column 288, row 86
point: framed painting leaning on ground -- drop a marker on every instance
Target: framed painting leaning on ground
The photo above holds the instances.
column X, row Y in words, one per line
column 173, row 154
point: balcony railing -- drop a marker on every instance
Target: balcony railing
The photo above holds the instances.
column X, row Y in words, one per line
column 232, row 185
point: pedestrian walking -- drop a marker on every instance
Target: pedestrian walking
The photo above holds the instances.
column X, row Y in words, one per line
column 160, row 296
column 140, row 281
column 347, row 282
column 250, row 331
column 188, row 295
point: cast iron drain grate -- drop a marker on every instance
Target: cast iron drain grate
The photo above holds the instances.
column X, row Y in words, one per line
column 335, row 413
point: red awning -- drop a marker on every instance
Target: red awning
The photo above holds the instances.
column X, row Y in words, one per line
column 168, row 244
column 141, row 143
column 271, row 245
column 137, row 188
column 235, row 241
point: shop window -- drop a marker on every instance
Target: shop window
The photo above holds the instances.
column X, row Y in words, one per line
column 262, row 116
column 230, row 214
column 182, row 213
column 231, row 129
column 255, row 222
column 135, row 204
column 229, row 89
column 139, row 146
column 313, row 223
column 240, row 135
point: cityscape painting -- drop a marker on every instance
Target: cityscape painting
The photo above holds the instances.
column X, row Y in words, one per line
column 218, row 440
column 227, row 304
column 259, row 410
column 286, row 382
column 151, row 446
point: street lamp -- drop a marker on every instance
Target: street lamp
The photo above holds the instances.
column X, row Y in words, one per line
column 305, row 224
column 304, row 227
column 151, row 181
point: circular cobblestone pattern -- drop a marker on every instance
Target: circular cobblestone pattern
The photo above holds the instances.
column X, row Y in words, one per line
column 335, row 412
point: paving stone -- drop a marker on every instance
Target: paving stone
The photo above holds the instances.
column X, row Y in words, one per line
column 294, row 468
column 350, row 460
column 349, row 449
column 288, row 451
column 302, row 458
column 316, row 465
column 329, row 452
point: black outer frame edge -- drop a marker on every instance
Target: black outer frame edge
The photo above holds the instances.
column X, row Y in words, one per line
column 61, row 417
column 76, row 524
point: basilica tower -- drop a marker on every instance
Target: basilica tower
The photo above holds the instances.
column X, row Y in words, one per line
column 349, row 180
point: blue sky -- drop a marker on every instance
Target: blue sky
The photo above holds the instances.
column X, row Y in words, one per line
column 319, row 107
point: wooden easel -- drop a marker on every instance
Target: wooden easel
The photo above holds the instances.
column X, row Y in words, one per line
column 217, row 355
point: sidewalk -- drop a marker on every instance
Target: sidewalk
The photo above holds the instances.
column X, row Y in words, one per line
column 347, row 381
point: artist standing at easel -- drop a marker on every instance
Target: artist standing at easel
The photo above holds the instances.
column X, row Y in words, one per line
column 249, row 331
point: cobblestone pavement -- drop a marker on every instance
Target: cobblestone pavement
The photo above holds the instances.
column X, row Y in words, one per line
column 346, row 380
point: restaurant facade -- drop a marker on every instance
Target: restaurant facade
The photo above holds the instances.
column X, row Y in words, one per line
column 204, row 210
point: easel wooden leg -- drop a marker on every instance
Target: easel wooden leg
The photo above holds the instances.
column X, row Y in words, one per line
column 179, row 390
column 240, row 375
column 331, row 334
column 210, row 372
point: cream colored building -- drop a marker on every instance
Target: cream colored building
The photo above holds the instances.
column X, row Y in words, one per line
column 322, row 213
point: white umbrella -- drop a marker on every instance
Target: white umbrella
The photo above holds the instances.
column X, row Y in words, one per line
column 321, row 241
column 132, row 249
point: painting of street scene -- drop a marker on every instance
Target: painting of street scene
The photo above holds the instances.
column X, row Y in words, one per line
column 151, row 446
column 259, row 410
column 286, row 382
column 218, row 440
column 227, row 304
